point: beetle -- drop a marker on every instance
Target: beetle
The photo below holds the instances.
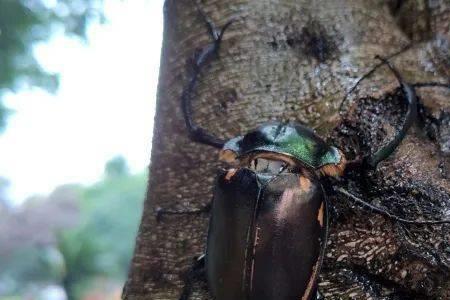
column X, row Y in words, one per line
column 269, row 221
column 269, row 215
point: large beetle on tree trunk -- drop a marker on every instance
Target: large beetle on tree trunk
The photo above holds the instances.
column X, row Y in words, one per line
column 269, row 220
column 268, row 227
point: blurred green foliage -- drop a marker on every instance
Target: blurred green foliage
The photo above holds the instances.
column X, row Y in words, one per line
column 103, row 243
column 116, row 167
column 24, row 23
column 99, row 246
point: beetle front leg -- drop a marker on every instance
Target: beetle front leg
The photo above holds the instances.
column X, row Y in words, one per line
column 411, row 113
column 160, row 212
column 411, row 116
column 202, row 58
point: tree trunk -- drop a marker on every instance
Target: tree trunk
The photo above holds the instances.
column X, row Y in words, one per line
column 295, row 60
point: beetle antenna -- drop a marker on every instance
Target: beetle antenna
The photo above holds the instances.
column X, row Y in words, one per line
column 201, row 59
column 411, row 116
column 385, row 213
column 344, row 100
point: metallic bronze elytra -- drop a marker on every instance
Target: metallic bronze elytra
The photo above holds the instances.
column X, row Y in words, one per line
column 243, row 262
column 269, row 219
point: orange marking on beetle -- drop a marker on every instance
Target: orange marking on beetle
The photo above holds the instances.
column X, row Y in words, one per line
column 230, row 174
column 305, row 183
column 334, row 170
column 227, row 156
column 255, row 244
column 311, row 281
column 320, row 215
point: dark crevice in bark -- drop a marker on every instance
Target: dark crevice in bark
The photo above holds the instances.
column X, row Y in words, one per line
column 414, row 18
column 364, row 129
column 369, row 124
column 437, row 128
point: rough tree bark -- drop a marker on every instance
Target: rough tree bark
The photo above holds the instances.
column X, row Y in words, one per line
column 295, row 60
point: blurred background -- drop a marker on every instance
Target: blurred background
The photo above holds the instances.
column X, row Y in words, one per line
column 77, row 99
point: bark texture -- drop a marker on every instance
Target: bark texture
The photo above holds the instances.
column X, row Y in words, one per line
column 295, row 60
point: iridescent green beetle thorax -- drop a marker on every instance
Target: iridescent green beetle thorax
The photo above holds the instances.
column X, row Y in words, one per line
column 294, row 140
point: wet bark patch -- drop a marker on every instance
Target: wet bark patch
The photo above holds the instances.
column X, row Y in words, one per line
column 404, row 185
column 313, row 41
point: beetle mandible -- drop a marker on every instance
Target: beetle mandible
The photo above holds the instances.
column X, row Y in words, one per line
column 269, row 217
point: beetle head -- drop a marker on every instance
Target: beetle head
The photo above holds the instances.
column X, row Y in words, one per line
column 274, row 146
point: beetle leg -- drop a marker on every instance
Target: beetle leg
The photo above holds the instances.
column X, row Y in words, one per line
column 385, row 213
column 201, row 59
column 160, row 212
column 411, row 116
column 196, row 272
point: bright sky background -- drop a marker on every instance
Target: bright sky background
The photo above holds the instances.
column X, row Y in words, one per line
column 104, row 107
